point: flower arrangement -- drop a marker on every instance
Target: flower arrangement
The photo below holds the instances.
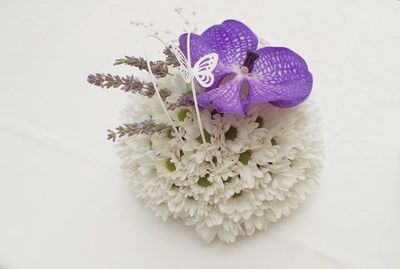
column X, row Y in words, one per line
column 220, row 134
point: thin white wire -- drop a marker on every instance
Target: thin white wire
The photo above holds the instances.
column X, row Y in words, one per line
column 196, row 106
column 156, row 88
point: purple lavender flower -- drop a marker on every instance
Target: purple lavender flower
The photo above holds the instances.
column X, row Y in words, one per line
column 91, row 79
column 246, row 75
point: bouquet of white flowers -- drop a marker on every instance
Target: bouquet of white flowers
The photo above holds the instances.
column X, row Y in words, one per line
column 222, row 136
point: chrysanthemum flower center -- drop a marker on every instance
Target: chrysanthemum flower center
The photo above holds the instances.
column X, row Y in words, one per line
column 260, row 121
column 207, row 136
column 245, row 157
column 273, row 142
column 182, row 114
column 231, row 134
column 229, row 179
column 169, row 134
column 170, row 165
column 237, row 194
column 203, row 181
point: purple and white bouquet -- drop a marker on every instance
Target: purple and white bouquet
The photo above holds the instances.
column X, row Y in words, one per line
column 220, row 134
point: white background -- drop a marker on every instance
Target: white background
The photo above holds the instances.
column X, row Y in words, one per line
column 63, row 202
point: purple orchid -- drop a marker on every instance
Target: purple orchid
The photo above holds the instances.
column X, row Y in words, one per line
column 246, row 75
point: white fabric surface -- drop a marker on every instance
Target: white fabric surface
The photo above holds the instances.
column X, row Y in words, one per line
column 63, row 202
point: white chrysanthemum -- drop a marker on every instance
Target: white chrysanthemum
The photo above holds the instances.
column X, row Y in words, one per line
column 252, row 171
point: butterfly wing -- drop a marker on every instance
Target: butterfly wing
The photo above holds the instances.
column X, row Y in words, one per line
column 184, row 67
column 202, row 70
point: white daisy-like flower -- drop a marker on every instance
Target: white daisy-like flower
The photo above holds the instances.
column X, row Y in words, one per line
column 251, row 171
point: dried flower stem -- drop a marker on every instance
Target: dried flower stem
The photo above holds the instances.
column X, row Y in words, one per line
column 148, row 127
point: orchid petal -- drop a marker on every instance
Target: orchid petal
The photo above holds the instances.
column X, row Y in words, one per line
column 198, row 47
column 226, row 98
column 231, row 40
column 279, row 76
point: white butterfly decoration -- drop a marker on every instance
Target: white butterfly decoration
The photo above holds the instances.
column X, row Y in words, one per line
column 202, row 70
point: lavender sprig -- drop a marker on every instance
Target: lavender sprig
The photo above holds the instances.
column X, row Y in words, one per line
column 183, row 100
column 148, row 127
column 170, row 59
column 159, row 68
column 128, row 83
